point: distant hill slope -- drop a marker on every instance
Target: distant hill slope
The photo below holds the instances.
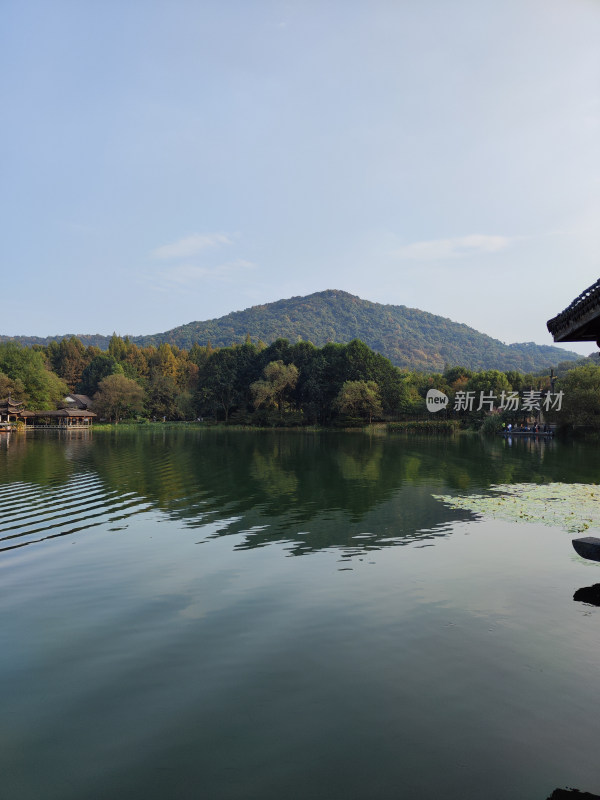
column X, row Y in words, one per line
column 408, row 337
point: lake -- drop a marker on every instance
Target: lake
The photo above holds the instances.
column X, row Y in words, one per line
column 232, row 615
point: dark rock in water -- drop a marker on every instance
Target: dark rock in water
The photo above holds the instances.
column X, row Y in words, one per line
column 588, row 547
column 572, row 794
column 588, row 594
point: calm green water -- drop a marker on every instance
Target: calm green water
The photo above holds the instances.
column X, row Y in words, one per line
column 236, row 615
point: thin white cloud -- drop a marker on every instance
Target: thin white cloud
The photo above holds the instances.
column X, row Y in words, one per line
column 190, row 275
column 457, row 247
column 191, row 245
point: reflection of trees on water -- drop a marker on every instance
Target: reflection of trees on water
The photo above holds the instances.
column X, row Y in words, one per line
column 310, row 490
column 316, row 490
column 34, row 457
column 274, row 480
column 364, row 467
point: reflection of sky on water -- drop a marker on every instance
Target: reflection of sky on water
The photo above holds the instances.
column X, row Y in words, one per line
column 227, row 664
column 418, row 653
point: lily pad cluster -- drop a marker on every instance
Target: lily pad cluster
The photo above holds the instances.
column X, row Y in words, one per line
column 575, row 507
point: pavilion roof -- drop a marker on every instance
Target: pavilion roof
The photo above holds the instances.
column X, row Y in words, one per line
column 82, row 400
column 7, row 401
column 580, row 321
column 65, row 412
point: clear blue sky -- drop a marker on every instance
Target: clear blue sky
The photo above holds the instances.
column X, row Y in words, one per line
column 170, row 161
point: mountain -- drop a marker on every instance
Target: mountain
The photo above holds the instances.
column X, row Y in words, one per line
column 408, row 337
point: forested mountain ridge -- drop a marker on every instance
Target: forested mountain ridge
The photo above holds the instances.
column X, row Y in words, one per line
column 410, row 338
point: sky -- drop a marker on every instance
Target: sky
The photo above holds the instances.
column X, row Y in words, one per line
column 164, row 161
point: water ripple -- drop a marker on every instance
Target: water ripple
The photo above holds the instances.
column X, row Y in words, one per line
column 32, row 514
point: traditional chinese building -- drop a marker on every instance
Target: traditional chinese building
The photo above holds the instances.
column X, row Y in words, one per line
column 79, row 401
column 64, row 418
column 580, row 321
column 10, row 411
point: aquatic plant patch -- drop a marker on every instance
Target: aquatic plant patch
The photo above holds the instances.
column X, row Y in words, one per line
column 572, row 506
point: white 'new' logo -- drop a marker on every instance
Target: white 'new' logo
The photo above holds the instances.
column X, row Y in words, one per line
column 436, row 400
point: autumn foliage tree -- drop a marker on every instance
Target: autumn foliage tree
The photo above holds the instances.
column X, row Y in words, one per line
column 68, row 359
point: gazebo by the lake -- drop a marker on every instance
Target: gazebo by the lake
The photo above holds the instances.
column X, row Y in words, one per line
column 67, row 418
column 12, row 413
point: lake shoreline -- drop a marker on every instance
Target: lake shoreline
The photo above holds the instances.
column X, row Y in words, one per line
column 384, row 428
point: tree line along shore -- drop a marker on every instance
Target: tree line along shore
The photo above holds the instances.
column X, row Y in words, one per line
column 282, row 384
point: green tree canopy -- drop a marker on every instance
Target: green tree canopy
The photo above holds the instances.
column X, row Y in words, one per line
column 454, row 374
column 14, row 388
column 42, row 389
column 99, row 368
column 581, row 403
column 279, row 379
column 218, row 382
column 161, row 397
column 118, row 397
column 359, row 399
column 490, row 380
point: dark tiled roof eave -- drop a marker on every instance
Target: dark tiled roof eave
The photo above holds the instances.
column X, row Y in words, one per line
column 580, row 321
column 81, row 400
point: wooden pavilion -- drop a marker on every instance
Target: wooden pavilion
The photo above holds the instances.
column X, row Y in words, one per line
column 67, row 418
column 10, row 411
column 580, row 321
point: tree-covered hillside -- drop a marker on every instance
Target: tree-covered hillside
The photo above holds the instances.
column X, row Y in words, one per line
column 410, row 338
